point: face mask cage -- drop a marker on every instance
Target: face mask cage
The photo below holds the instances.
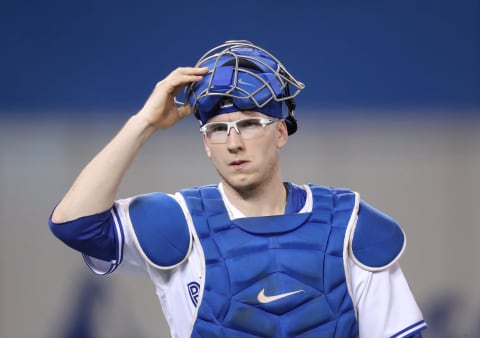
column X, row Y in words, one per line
column 245, row 76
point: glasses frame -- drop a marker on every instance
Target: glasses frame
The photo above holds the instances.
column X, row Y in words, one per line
column 264, row 121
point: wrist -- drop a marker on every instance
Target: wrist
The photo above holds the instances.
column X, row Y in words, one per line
column 142, row 126
column 144, row 122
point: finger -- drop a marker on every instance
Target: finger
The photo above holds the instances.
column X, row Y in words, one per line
column 180, row 81
column 185, row 110
column 192, row 70
column 180, row 77
column 190, row 74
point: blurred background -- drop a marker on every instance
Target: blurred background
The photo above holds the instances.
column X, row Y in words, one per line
column 391, row 109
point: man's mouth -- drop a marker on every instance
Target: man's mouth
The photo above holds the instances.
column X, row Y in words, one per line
column 238, row 163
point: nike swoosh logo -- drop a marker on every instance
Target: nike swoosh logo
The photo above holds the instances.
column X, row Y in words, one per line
column 262, row 298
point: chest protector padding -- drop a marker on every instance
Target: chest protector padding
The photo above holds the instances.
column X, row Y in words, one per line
column 275, row 276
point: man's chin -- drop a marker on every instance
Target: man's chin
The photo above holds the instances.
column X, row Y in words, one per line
column 243, row 185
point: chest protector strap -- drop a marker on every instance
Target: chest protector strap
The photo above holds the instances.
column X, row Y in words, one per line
column 273, row 276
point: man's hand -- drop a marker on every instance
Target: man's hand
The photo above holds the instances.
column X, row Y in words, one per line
column 160, row 110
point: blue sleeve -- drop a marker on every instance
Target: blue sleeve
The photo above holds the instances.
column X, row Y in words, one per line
column 93, row 235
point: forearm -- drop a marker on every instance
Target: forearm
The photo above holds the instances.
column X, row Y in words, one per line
column 95, row 189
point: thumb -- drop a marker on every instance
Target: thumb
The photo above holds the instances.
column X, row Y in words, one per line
column 185, row 110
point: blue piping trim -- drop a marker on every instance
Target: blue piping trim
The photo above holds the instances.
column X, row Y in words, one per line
column 119, row 239
column 120, row 236
column 423, row 326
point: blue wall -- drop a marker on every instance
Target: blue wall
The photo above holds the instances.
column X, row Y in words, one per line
column 62, row 59
column 105, row 56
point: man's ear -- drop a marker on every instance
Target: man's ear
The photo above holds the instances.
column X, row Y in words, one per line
column 282, row 134
column 205, row 144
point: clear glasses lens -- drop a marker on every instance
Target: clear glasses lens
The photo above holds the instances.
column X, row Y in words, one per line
column 217, row 132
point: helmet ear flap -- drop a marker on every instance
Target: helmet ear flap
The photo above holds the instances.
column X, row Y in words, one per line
column 290, row 120
column 291, row 123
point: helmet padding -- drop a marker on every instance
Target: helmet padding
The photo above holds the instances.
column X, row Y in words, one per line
column 243, row 77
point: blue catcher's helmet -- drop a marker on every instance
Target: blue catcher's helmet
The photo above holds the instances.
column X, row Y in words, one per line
column 243, row 76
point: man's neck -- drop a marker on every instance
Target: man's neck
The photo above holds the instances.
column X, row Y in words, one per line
column 263, row 201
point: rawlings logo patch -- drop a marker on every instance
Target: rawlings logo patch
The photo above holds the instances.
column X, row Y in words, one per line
column 194, row 291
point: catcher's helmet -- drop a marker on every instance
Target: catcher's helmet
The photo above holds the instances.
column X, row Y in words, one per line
column 243, row 76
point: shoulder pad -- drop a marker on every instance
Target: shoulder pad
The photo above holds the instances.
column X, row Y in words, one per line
column 160, row 229
column 377, row 241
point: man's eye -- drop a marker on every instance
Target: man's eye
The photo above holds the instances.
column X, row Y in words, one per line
column 253, row 123
column 217, row 128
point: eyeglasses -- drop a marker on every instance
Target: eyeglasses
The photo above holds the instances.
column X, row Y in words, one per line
column 217, row 132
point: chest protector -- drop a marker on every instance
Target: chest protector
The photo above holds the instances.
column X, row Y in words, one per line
column 274, row 276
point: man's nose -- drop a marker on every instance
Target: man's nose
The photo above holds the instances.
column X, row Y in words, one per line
column 234, row 139
column 229, row 131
